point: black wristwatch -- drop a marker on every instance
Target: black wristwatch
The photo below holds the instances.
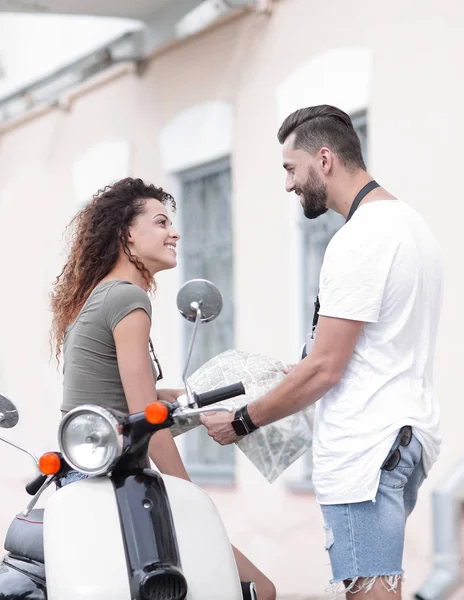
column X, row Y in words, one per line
column 242, row 423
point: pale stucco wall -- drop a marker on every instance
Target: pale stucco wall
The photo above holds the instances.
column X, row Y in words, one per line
column 414, row 94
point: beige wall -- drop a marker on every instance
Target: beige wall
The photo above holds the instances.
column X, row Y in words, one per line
column 416, row 125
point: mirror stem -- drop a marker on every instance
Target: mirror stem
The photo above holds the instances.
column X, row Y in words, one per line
column 188, row 391
column 33, row 456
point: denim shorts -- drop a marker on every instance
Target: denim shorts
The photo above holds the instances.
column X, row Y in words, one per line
column 70, row 477
column 365, row 539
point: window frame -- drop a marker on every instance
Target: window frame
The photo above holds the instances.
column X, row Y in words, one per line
column 203, row 473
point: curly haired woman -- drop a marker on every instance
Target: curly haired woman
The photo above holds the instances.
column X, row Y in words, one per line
column 102, row 315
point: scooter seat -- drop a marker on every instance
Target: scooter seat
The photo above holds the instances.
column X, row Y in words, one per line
column 25, row 536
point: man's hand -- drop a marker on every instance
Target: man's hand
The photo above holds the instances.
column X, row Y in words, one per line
column 220, row 428
column 169, row 395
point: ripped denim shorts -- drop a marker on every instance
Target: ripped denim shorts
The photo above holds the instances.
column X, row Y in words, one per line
column 365, row 540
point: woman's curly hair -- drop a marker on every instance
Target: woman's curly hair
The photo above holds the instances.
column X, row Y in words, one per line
column 99, row 231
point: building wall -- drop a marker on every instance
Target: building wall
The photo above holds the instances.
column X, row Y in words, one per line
column 413, row 91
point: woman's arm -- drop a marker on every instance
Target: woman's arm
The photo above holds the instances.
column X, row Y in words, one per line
column 168, row 395
column 131, row 336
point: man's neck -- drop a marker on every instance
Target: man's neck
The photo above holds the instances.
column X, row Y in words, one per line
column 346, row 188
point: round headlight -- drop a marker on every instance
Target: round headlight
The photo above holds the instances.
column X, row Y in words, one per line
column 90, row 439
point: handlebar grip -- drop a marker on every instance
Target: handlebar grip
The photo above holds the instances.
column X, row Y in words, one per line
column 223, row 393
column 34, row 486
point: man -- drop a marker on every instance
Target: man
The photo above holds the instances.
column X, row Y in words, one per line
column 376, row 430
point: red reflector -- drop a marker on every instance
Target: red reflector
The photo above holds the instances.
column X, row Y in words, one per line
column 49, row 463
column 156, row 413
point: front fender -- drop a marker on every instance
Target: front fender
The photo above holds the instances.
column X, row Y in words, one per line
column 83, row 544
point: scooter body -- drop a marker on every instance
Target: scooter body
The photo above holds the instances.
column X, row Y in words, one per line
column 83, row 545
column 177, row 526
column 141, row 537
column 21, row 578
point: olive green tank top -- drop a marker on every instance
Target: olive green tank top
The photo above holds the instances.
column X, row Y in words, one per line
column 90, row 366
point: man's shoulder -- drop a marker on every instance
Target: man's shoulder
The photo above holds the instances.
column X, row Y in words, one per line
column 365, row 234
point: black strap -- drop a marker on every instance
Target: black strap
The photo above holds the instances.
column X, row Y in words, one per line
column 356, row 202
column 360, row 196
column 242, row 414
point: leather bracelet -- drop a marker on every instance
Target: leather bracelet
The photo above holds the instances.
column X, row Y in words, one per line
column 246, row 419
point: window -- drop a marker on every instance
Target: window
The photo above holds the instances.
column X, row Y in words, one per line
column 315, row 236
column 207, row 253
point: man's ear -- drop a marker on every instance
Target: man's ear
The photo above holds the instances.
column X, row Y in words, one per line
column 326, row 158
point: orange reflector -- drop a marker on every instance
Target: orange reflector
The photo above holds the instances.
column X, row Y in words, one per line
column 49, row 463
column 156, row 413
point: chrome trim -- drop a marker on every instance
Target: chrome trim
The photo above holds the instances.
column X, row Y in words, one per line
column 102, row 412
column 35, row 499
column 253, row 591
column 31, row 454
column 184, row 413
column 195, row 307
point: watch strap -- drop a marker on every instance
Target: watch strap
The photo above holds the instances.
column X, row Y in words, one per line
column 242, row 423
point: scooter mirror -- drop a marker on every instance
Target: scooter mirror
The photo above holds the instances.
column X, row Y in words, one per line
column 199, row 294
column 9, row 415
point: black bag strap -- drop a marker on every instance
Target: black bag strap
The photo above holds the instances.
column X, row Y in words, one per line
column 360, row 196
column 356, row 202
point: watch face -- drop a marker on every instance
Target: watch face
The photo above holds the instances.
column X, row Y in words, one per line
column 239, row 427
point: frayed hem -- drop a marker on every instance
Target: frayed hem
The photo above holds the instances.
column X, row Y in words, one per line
column 389, row 582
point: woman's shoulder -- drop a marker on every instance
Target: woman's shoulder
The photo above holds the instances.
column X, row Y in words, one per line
column 122, row 288
column 121, row 298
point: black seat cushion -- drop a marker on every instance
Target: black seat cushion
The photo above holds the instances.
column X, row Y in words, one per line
column 25, row 536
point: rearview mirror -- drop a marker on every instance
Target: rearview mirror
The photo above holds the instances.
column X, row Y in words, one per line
column 198, row 301
column 9, row 415
column 199, row 295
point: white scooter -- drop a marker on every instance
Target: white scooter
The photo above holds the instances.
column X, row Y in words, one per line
column 126, row 532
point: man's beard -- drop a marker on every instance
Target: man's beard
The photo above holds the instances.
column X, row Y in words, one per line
column 314, row 196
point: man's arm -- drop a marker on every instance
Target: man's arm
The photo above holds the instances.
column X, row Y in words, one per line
column 308, row 381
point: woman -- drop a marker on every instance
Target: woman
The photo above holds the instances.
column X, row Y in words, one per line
column 102, row 315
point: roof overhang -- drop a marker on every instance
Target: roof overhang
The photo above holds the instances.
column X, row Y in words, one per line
column 165, row 22
column 143, row 10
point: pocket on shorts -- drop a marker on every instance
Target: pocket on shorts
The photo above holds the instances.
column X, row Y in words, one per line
column 411, row 456
column 397, row 478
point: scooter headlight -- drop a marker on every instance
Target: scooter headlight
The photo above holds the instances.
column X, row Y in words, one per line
column 90, row 439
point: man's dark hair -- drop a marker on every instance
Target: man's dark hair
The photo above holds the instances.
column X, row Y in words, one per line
column 324, row 125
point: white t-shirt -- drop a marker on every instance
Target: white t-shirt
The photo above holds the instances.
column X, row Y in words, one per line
column 384, row 268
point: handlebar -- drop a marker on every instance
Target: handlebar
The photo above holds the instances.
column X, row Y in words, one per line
column 34, row 486
column 228, row 391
